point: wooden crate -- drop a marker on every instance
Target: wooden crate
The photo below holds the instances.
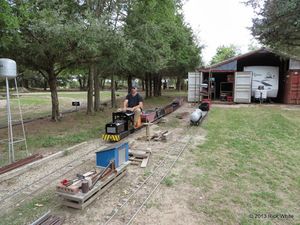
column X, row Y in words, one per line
column 81, row 200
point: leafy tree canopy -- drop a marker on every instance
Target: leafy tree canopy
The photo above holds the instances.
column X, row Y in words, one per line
column 225, row 52
column 277, row 24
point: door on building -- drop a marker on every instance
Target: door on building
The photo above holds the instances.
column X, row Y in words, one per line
column 242, row 87
column 194, row 86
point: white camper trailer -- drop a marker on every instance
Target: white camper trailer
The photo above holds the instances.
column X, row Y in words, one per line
column 267, row 76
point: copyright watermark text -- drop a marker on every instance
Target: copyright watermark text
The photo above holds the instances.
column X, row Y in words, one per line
column 271, row 216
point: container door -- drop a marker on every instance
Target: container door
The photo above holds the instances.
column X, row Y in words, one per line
column 242, row 87
column 292, row 92
column 194, row 86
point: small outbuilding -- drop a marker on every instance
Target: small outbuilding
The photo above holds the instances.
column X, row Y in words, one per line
column 262, row 73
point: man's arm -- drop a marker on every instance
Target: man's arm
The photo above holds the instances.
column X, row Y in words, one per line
column 140, row 105
column 125, row 104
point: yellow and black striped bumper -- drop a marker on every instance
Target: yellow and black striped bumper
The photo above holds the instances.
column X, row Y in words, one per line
column 111, row 137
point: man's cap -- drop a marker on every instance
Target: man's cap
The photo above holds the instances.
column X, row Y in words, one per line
column 133, row 87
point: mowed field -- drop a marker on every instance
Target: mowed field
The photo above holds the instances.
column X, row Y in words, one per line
column 38, row 104
column 250, row 166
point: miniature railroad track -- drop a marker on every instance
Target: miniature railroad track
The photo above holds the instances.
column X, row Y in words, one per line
column 48, row 219
column 126, row 213
column 21, row 194
column 42, row 182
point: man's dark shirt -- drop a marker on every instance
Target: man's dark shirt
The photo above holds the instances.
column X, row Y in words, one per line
column 134, row 100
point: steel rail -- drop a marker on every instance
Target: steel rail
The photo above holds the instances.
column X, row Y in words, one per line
column 49, row 174
column 159, row 166
column 158, row 183
column 80, row 157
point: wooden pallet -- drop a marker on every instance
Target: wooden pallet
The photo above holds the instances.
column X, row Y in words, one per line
column 82, row 200
column 139, row 158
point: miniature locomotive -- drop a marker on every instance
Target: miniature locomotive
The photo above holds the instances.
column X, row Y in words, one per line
column 121, row 126
column 123, row 122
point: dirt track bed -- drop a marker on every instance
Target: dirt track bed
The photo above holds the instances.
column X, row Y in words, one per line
column 101, row 210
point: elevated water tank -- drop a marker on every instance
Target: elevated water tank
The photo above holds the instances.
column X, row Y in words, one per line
column 8, row 68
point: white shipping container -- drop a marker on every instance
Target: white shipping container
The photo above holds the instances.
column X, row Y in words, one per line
column 242, row 87
column 267, row 76
column 194, row 86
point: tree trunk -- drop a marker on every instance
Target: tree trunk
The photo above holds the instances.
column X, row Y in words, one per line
column 116, row 85
column 143, row 85
column 154, row 85
column 165, row 84
column 25, row 83
column 129, row 82
column 80, row 84
column 178, row 83
column 150, row 85
column 54, row 98
column 45, row 85
column 102, row 84
column 146, row 86
column 159, row 84
column 97, row 91
column 113, row 92
column 90, row 89
column 182, row 87
column 84, row 83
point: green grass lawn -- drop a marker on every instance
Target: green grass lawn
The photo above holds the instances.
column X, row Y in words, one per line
column 251, row 165
column 46, row 136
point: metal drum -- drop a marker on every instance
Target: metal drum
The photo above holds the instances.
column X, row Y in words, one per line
column 196, row 116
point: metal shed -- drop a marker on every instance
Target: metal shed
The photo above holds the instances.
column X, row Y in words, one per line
column 235, row 79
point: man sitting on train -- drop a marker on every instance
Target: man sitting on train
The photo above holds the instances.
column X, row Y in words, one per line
column 134, row 103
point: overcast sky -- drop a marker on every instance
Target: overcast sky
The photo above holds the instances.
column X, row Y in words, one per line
column 219, row 22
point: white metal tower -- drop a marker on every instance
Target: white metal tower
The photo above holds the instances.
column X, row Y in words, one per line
column 8, row 71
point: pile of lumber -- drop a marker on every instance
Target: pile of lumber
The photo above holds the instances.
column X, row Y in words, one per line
column 139, row 157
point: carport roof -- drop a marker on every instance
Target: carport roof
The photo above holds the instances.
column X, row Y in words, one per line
column 231, row 64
